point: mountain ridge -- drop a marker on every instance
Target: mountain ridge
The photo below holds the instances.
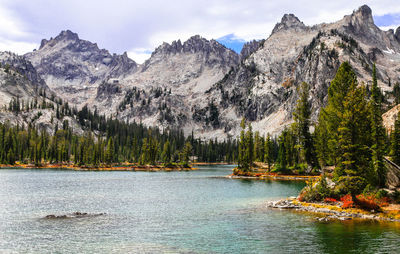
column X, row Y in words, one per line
column 202, row 86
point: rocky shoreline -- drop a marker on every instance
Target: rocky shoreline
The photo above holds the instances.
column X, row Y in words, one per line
column 329, row 212
column 271, row 176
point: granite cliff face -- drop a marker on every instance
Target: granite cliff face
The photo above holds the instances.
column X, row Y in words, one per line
column 20, row 83
column 201, row 86
column 18, row 78
column 74, row 68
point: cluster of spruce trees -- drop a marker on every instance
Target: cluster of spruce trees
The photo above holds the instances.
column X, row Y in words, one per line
column 349, row 135
column 105, row 141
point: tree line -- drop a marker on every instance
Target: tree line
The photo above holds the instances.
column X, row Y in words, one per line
column 105, row 140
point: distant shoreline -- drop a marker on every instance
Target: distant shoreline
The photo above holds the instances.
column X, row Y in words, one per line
column 211, row 163
column 119, row 167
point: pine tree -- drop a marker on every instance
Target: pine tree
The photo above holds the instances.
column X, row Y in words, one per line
column 321, row 142
column 258, row 146
column 282, row 154
column 242, row 162
column 396, row 93
column 268, row 151
column 186, row 152
column 378, row 131
column 166, row 153
column 332, row 115
column 354, row 140
column 144, row 157
column 302, row 117
column 249, row 155
column 110, row 151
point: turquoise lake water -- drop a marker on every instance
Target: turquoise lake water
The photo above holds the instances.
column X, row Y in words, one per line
column 169, row 212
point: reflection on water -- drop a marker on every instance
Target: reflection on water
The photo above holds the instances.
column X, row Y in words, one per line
column 174, row 212
column 363, row 236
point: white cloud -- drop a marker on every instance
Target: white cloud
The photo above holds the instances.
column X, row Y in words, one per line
column 139, row 55
column 10, row 25
column 386, row 28
column 13, row 36
column 17, row 46
column 120, row 25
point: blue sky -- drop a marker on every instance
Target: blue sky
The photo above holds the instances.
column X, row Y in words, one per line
column 388, row 20
column 232, row 42
column 138, row 27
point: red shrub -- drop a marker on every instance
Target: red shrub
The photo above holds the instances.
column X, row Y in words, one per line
column 370, row 202
column 367, row 202
column 330, row 200
column 347, row 201
column 301, row 197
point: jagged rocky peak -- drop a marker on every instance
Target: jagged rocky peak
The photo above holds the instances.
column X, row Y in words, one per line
column 209, row 52
column 360, row 20
column 250, row 47
column 77, row 58
column 194, row 44
column 289, row 21
column 67, row 35
column 361, row 27
column 63, row 36
column 166, row 48
column 364, row 13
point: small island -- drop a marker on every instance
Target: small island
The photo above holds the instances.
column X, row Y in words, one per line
column 350, row 162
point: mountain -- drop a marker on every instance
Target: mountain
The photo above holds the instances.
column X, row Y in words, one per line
column 75, row 68
column 164, row 90
column 263, row 88
column 201, row 86
column 170, row 86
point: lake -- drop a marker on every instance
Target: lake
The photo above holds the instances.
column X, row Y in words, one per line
column 169, row 212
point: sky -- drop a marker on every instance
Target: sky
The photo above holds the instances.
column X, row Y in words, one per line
column 138, row 27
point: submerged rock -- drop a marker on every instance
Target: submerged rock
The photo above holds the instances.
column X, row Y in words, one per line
column 73, row 215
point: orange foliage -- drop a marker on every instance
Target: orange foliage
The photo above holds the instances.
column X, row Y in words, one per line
column 370, row 202
column 330, row 200
column 347, row 201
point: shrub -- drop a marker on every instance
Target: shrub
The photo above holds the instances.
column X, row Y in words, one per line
column 347, row 201
column 316, row 191
column 367, row 202
column 350, row 184
column 381, row 194
column 330, row 200
column 301, row 168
